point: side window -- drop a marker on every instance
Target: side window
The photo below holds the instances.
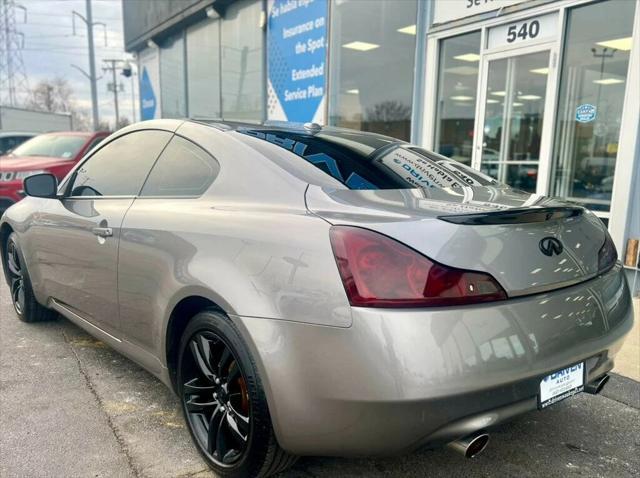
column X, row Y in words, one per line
column 183, row 169
column 119, row 168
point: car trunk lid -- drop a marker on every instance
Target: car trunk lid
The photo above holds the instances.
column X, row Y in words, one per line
column 509, row 234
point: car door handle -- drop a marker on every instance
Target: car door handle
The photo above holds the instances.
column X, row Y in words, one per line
column 102, row 231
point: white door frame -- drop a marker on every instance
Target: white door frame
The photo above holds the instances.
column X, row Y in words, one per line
column 546, row 141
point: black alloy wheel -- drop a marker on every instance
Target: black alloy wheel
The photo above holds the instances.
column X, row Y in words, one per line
column 22, row 296
column 215, row 398
column 16, row 276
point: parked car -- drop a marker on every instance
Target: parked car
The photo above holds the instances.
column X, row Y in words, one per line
column 55, row 153
column 308, row 290
column 12, row 139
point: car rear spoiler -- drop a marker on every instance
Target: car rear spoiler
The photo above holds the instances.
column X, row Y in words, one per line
column 515, row 216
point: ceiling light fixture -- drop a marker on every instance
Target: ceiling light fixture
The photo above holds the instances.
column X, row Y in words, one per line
column 409, row 30
column 609, row 81
column 492, row 101
column 529, row 97
column 360, row 46
column 623, row 44
column 540, row 71
column 499, row 93
column 461, row 98
column 468, row 57
column 465, row 70
column 353, row 91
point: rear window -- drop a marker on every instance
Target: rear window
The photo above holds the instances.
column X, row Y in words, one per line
column 365, row 161
column 54, row 146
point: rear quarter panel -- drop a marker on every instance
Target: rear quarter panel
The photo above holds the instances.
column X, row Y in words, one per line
column 248, row 244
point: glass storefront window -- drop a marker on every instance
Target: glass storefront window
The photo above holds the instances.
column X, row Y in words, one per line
column 371, row 65
column 242, row 62
column 172, row 77
column 593, row 82
column 514, row 113
column 203, row 69
column 457, row 86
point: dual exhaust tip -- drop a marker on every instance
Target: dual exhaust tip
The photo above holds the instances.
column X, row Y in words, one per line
column 475, row 443
column 472, row 445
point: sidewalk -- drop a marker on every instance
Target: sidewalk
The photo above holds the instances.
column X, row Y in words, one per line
column 628, row 359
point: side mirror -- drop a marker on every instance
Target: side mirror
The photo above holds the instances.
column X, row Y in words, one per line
column 42, row 185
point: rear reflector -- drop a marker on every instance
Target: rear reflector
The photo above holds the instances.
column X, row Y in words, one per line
column 378, row 271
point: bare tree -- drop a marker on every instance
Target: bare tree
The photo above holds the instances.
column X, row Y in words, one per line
column 56, row 96
column 389, row 111
column 103, row 126
column 122, row 123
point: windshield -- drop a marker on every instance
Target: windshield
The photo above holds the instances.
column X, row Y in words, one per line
column 54, row 146
column 365, row 161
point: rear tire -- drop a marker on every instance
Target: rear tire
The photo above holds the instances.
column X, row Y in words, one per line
column 24, row 300
column 223, row 401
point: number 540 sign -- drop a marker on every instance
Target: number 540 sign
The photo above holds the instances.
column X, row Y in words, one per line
column 524, row 31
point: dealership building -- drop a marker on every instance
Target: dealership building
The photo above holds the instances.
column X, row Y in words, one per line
column 543, row 95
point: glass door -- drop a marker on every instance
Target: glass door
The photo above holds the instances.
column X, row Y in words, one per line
column 512, row 115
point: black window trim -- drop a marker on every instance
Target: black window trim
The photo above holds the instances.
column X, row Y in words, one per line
column 72, row 175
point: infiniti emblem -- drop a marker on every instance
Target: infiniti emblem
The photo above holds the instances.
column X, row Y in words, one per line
column 550, row 246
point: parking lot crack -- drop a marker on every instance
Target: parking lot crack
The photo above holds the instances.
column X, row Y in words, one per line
column 118, row 437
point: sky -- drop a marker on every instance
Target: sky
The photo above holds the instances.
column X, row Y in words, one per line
column 50, row 48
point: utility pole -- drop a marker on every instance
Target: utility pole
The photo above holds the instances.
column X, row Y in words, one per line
column 113, row 65
column 88, row 20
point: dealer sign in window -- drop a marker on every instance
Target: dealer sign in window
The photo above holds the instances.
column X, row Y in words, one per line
column 524, row 31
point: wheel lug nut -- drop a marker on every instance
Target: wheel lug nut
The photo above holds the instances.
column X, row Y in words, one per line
column 222, row 409
column 217, row 381
column 215, row 395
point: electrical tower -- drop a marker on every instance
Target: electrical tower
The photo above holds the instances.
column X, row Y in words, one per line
column 14, row 85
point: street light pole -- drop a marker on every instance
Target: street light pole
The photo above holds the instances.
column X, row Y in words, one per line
column 93, row 80
column 92, row 67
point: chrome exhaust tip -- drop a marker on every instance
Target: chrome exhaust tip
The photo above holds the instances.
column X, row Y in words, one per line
column 596, row 386
column 470, row 446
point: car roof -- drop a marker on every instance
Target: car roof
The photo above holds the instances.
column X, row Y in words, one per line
column 86, row 134
column 5, row 134
column 289, row 127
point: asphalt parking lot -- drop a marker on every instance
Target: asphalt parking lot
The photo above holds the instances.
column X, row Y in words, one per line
column 71, row 407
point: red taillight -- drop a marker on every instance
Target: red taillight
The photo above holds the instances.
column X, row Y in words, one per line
column 378, row 271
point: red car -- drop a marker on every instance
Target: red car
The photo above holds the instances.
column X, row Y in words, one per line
column 54, row 153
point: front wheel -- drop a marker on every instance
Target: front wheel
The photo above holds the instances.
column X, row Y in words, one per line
column 223, row 401
column 24, row 301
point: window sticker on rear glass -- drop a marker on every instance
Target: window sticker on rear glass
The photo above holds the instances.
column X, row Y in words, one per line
column 459, row 172
column 419, row 171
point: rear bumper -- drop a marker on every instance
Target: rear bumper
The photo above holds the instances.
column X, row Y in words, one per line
column 397, row 380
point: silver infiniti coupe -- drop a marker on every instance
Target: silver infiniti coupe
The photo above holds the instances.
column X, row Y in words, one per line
column 319, row 291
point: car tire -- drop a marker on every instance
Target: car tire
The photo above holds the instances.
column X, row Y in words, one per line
column 24, row 300
column 223, row 401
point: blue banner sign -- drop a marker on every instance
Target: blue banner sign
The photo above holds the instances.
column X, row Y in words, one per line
column 296, row 53
column 147, row 97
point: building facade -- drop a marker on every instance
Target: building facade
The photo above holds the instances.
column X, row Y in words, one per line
column 543, row 95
